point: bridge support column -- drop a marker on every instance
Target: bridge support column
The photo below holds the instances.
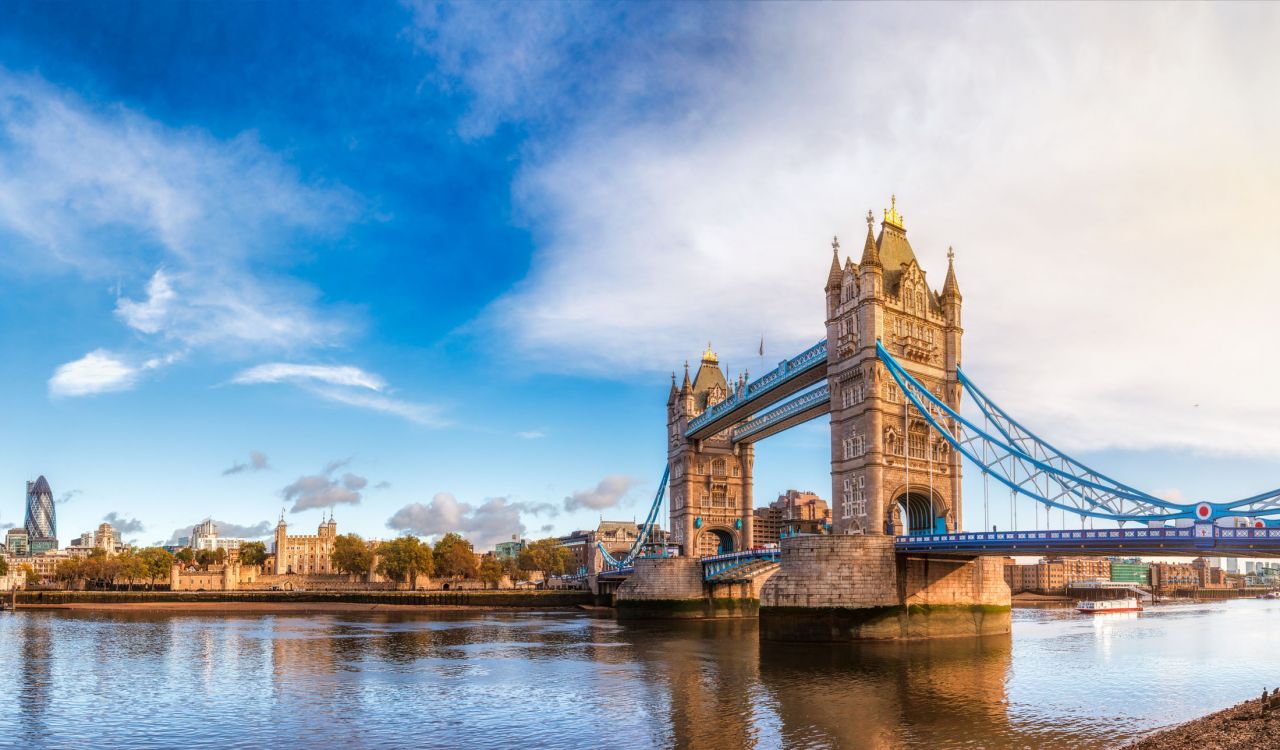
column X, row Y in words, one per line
column 846, row 588
column 665, row 588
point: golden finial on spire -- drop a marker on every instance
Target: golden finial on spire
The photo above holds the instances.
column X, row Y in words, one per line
column 710, row 356
column 835, row 244
column 951, row 254
column 891, row 215
column 871, row 219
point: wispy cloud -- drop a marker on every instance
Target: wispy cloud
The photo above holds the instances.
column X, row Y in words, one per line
column 257, row 462
column 324, row 490
column 280, row 372
column 531, row 434
column 606, row 494
column 428, row 415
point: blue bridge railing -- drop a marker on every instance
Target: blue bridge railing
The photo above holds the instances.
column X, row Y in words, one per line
column 810, row 400
column 1200, row 539
column 716, row 564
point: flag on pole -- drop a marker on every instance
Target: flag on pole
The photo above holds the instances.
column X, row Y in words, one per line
column 762, row 346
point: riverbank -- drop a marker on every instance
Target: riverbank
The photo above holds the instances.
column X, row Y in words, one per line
column 299, row 601
column 1248, row 726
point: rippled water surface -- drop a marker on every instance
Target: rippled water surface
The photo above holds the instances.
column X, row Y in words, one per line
column 158, row 680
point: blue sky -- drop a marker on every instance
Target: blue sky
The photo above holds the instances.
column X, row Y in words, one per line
column 435, row 263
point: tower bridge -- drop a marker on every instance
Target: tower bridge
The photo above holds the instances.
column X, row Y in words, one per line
column 888, row 373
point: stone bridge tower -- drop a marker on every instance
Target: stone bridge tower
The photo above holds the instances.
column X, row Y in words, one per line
column 710, row 482
column 890, row 473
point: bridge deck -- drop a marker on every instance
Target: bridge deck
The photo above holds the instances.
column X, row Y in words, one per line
column 1200, row 540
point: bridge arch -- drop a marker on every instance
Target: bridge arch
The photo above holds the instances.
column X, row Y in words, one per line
column 912, row 511
column 716, row 541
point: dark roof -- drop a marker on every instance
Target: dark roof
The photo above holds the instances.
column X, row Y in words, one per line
column 41, row 487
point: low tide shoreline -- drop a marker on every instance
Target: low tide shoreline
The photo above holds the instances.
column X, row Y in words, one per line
column 1251, row 725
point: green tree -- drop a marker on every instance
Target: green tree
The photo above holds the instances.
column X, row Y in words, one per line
column 156, row 562
column 4, row 567
column 404, row 559
column 69, row 571
column 130, row 567
column 511, row 567
column 547, row 556
column 253, row 553
column 454, row 557
column 220, row 555
column 29, row 573
column 351, row 555
column 206, row 557
column 186, row 556
column 491, row 570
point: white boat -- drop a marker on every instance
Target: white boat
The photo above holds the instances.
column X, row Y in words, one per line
column 1101, row 606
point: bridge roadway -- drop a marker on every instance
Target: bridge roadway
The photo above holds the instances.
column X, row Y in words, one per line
column 1202, row 539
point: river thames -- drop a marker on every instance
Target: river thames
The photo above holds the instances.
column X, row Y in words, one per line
column 561, row 680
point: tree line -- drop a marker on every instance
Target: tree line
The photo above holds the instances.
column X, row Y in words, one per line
column 452, row 556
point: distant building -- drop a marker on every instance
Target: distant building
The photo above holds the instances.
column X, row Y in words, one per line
column 509, row 550
column 205, row 536
column 618, row 537
column 1167, row 576
column 305, row 555
column 1130, row 570
column 41, row 521
column 794, row 512
column 17, row 543
column 1053, row 575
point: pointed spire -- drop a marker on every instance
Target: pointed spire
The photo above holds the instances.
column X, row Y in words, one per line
column 870, row 253
column 833, row 278
column 686, row 385
column 950, row 287
column 673, row 381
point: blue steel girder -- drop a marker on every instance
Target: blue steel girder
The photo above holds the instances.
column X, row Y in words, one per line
column 642, row 538
column 1029, row 466
column 804, row 407
column 715, row 565
column 789, row 377
column 1187, row 541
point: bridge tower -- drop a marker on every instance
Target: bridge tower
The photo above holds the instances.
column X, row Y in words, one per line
column 710, row 482
column 890, row 473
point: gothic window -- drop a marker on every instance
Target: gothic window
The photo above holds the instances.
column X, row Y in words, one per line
column 846, row 499
column 891, row 392
column 860, row 393
column 916, row 440
column 718, row 467
column 859, row 497
column 737, row 470
column 848, row 447
column 846, row 397
column 719, row 497
column 920, row 301
column 704, row 499
column 928, row 334
column 891, row 442
column 897, row 327
column 859, row 445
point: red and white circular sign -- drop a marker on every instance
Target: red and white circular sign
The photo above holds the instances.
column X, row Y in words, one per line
column 1258, row 524
column 1203, row 511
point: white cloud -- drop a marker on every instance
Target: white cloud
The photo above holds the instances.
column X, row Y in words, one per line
column 531, row 434
column 606, row 494
column 324, row 490
column 98, row 371
column 494, row 520
column 1106, row 174
column 279, row 372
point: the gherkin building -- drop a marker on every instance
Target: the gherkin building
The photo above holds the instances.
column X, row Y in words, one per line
column 41, row 522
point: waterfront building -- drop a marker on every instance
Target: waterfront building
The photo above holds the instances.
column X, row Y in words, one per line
column 1131, row 570
column 1167, row 576
column 41, row 520
column 1054, row 575
column 305, row 555
column 616, row 536
column 17, row 543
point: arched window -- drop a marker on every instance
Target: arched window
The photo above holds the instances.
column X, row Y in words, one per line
column 916, row 440
column 718, row 467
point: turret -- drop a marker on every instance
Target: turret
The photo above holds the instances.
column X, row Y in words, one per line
column 834, row 278
column 951, row 298
column 870, row 271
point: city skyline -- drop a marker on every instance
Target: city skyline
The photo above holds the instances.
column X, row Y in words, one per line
column 409, row 296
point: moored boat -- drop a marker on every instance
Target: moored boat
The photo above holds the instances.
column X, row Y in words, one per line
column 1102, row 606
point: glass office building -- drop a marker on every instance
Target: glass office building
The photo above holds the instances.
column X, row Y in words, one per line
column 41, row 522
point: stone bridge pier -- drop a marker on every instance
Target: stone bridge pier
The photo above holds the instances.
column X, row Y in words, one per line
column 845, row 588
column 674, row 587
